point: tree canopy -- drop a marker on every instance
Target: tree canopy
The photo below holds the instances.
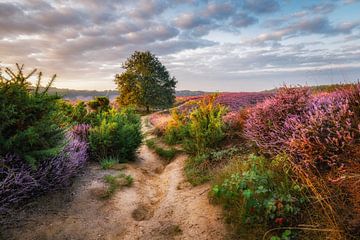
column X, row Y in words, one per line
column 145, row 82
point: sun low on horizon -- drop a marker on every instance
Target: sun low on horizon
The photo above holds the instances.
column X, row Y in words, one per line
column 247, row 45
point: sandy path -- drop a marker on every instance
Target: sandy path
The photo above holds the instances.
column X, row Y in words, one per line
column 159, row 205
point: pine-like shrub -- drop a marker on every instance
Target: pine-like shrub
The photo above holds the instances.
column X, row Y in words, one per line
column 28, row 128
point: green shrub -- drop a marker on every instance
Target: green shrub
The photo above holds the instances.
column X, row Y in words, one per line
column 205, row 126
column 200, row 130
column 177, row 129
column 258, row 193
column 28, row 127
column 118, row 135
column 69, row 114
column 99, row 104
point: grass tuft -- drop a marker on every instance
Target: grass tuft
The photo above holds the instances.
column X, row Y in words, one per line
column 116, row 182
column 167, row 154
column 108, row 163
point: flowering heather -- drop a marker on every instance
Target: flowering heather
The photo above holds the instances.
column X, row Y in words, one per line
column 80, row 132
column 236, row 101
column 20, row 181
column 266, row 123
column 184, row 99
column 233, row 101
column 235, row 122
column 328, row 128
column 160, row 121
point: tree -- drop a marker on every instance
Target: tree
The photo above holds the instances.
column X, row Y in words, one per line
column 145, row 82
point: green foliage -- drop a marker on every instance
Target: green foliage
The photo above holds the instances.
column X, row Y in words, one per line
column 167, row 154
column 150, row 143
column 199, row 168
column 99, row 104
column 286, row 235
column 202, row 129
column 177, row 129
column 260, row 193
column 196, row 171
column 205, row 126
column 145, row 82
column 28, row 127
column 69, row 114
column 117, row 135
column 108, row 163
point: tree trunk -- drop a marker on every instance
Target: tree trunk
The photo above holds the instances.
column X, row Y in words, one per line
column 147, row 109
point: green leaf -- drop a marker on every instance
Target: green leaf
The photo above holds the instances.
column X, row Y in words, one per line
column 247, row 193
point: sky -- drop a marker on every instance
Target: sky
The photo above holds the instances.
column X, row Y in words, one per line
column 235, row 45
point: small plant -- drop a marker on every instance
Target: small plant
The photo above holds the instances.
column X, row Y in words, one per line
column 107, row 163
column 196, row 170
column 286, row 235
column 167, row 154
column 259, row 194
column 150, row 143
column 129, row 179
column 115, row 182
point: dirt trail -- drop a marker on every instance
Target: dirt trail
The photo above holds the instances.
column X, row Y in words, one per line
column 159, row 205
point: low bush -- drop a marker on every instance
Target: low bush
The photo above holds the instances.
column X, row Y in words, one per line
column 99, row 104
column 235, row 123
column 257, row 192
column 199, row 130
column 177, row 128
column 72, row 114
column 326, row 130
column 206, row 128
column 265, row 125
column 118, row 135
column 20, row 181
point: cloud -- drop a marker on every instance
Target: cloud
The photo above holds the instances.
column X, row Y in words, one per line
column 305, row 26
column 322, row 8
column 190, row 20
column 261, row 6
column 218, row 11
column 85, row 41
column 243, row 20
